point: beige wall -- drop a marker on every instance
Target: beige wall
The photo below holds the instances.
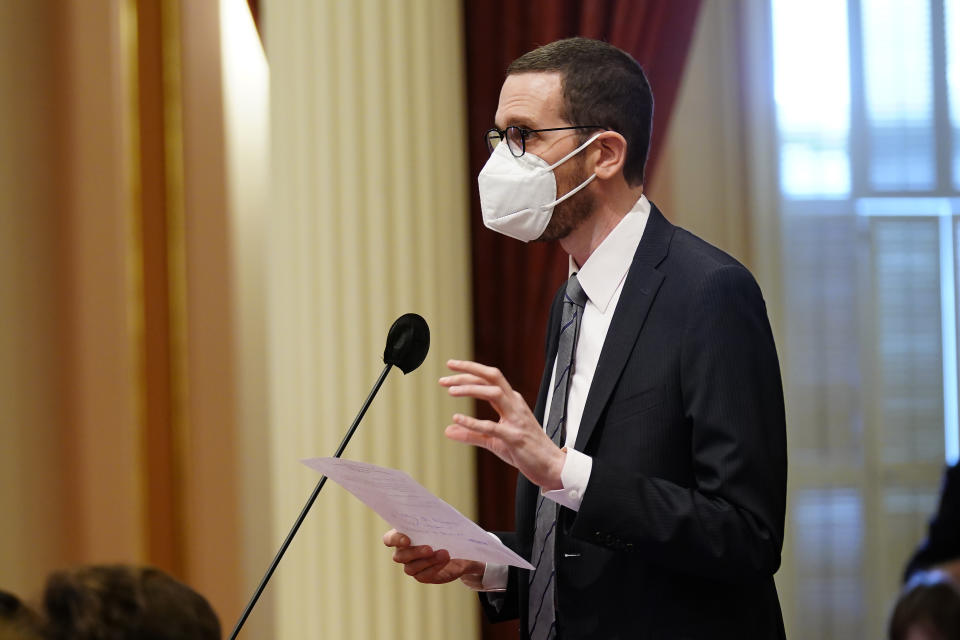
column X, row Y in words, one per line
column 368, row 220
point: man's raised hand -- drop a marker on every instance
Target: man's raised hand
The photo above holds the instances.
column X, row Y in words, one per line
column 517, row 438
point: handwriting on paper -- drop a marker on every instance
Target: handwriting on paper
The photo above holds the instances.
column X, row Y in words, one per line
column 413, row 510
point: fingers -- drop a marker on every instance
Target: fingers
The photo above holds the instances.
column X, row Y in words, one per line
column 407, row 555
column 426, row 565
column 458, row 433
column 461, row 379
column 394, row 538
column 490, row 375
column 480, row 433
column 485, row 383
column 430, row 568
column 470, row 571
column 492, row 394
column 484, row 427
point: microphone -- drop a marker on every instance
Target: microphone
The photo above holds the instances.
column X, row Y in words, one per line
column 407, row 344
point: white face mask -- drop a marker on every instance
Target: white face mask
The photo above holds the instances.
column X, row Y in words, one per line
column 517, row 195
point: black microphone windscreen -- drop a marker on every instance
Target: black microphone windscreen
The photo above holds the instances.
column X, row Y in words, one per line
column 407, row 342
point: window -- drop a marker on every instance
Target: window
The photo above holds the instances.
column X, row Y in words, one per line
column 867, row 96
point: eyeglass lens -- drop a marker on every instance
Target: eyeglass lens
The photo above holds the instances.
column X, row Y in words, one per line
column 514, row 137
column 493, row 139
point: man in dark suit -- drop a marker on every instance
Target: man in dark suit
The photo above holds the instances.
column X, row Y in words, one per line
column 652, row 500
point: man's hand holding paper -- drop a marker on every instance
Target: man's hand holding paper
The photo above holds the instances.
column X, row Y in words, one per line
column 433, row 532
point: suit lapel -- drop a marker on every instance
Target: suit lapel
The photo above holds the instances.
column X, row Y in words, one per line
column 641, row 286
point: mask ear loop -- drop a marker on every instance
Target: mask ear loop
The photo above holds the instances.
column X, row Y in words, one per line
column 583, row 184
column 574, row 152
column 572, row 191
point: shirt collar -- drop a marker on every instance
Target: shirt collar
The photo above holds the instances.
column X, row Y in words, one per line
column 601, row 275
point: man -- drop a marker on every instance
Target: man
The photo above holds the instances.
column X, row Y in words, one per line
column 652, row 501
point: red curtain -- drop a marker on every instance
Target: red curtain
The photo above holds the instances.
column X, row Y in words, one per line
column 514, row 283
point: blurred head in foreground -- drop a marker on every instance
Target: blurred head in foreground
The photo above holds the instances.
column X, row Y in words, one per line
column 928, row 609
column 117, row 602
column 17, row 621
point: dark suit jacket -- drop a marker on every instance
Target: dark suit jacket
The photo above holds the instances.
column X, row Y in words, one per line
column 943, row 538
column 680, row 529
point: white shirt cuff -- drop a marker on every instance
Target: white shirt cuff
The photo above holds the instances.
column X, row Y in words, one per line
column 495, row 577
column 575, row 475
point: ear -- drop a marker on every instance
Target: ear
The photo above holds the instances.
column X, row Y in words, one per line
column 610, row 153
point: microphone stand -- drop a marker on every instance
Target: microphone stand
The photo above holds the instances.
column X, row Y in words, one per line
column 306, row 507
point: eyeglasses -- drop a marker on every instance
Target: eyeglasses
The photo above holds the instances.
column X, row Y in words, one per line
column 516, row 137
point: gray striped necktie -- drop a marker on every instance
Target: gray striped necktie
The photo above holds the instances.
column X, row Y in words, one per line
column 542, row 604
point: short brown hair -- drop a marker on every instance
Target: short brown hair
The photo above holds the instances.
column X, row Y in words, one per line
column 602, row 85
column 118, row 602
column 930, row 601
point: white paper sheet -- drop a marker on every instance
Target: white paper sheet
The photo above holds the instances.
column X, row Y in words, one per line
column 411, row 509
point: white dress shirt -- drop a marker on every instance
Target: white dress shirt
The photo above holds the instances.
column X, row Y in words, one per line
column 602, row 277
